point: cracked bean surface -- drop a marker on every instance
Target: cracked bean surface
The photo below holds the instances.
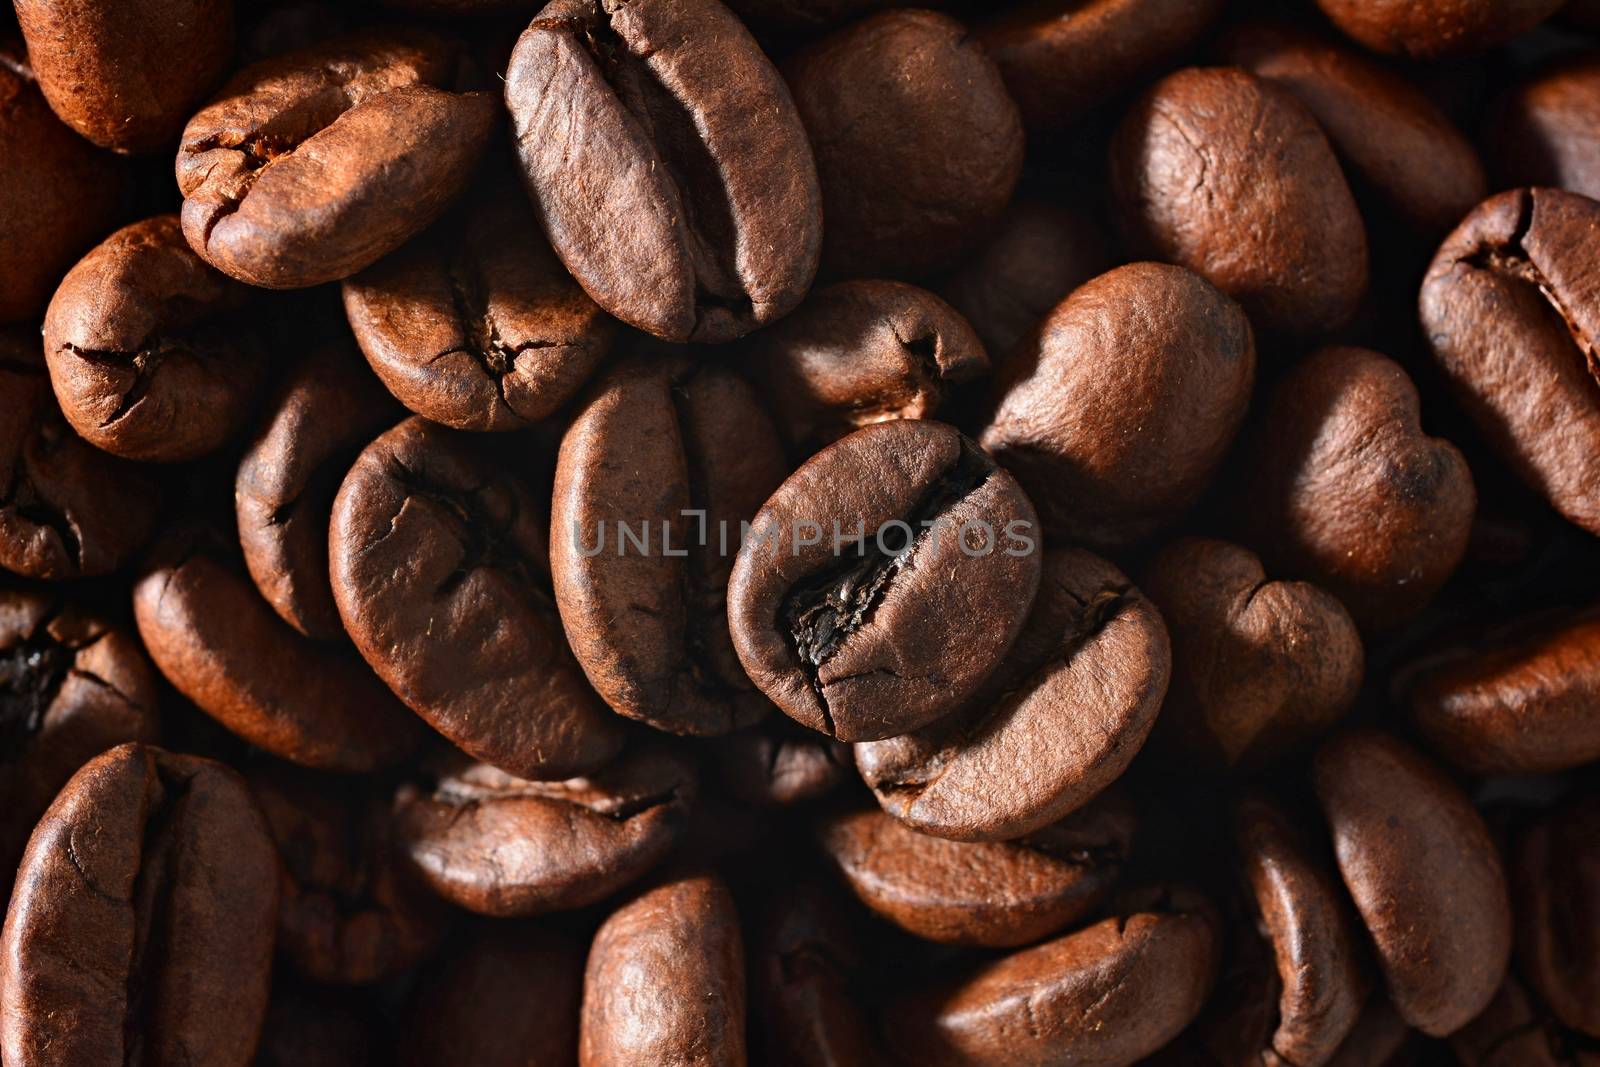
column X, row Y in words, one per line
column 153, row 355
column 441, row 574
column 936, row 564
column 1511, row 308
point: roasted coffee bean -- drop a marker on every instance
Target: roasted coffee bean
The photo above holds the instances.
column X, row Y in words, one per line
column 804, row 973
column 884, row 580
column 1556, row 877
column 1060, row 58
column 1522, row 697
column 668, row 164
column 499, row 845
column 1107, row 994
column 999, row 894
column 1510, row 309
column 1340, row 485
column 140, row 929
column 439, row 570
column 1302, row 915
column 350, row 911
column 1229, row 175
column 153, row 355
column 57, row 195
column 860, row 352
column 1424, row 874
column 1430, row 29
column 1260, row 667
column 324, row 412
column 665, row 980
column 509, row 997
column 67, row 510
column 1515, row 1030
column 1391, row 137
column 779, row 763
column 127, row 73
column 310, row 166
column 1546, row 129
column 476, row 324
column 221, row 646
column 71, row 686
column 1117, row 411
column 1056, row 724
column 919, row 146
column 1041, row 252
column 675, row 454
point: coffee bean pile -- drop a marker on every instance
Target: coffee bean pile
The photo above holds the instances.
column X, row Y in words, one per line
column 803, row 533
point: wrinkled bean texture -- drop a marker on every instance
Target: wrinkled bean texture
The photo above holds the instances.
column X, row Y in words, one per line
column 1431, row 29
column 668, row 164
column 149, row 349
column 424, row 528
column 310, row 166
column 167, row 860
column 1512, row 312
column 67, row 509
column 894, row 625
column 1229, row 175
column 1117, row 411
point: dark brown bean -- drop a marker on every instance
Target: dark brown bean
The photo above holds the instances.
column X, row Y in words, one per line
column 1390, row 136
column 665, row 981
column 1424, row 874
column 499, row 845
column 683, row 452
column 1061, row 58
column 884, row 580
column 476, row 324
column 67, row 509
column 127, row 73
column 1522, row 697
column 71, row 686
column 1543, row 130
column 860, row 352
column 1117, row 411
column 57, row 194
column 153, row 354
column 424, row 530
column 999, row 894
column 1510, row 308
column 1556, row 876
column 1260, row 667
column 1305, row 920
column 1110, row 993
column 1041, row 252
column 222, row 646
column 1340, row 485
column 141, row 926
column 1431, row 29
column 685, row 200
column 350, row 912
column 1229, row 175
column 509, row 997
column 310, row 166
column 1058, row 722
column 919, row 146
column 325, row 411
